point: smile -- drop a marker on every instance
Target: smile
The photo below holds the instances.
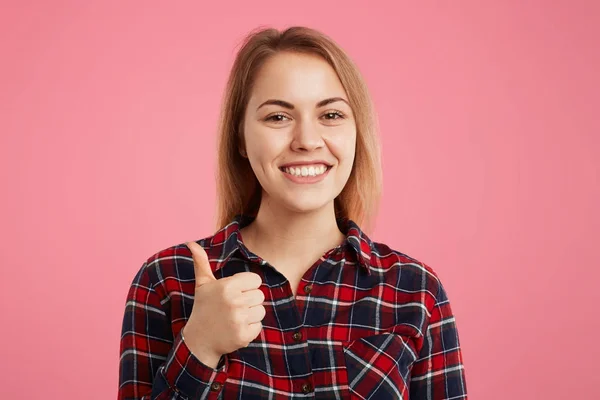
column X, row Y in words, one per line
column 306, row 173
column 306, row 170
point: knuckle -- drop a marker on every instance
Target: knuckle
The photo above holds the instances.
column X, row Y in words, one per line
column 233, row 322
column 226, row 285
column 230, row 301
column 239, row 318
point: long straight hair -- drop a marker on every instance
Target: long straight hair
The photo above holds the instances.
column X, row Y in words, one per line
column 238, row 190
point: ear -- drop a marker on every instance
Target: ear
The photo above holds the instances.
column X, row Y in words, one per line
column 242, row 152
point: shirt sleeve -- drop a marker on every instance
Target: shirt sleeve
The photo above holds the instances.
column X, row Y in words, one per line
column 153, row 364
column 438, row 373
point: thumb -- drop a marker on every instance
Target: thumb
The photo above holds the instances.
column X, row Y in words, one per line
column 202, row 269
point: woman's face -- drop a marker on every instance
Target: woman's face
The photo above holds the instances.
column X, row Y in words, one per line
column 299, row 132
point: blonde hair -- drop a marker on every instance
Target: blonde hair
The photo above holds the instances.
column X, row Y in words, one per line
column 238, row 190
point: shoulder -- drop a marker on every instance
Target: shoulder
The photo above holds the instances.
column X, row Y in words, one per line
column 407, row 273
column 168, row 268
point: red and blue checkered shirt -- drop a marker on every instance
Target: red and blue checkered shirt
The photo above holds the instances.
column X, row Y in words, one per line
column 368, row 322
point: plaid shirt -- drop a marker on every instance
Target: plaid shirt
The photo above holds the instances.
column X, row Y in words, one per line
column 368, row 322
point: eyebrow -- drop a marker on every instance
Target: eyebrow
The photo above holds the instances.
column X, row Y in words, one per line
column 290, row 106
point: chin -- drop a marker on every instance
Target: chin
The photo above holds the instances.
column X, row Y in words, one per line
column 301, row 205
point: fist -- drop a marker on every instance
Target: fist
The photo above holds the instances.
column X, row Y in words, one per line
column 226, row 313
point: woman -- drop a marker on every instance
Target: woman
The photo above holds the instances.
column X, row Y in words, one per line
column 290, row 298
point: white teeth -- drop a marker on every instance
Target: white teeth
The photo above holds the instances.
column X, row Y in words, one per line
column 306, row 171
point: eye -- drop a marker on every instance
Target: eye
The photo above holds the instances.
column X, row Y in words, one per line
column 333, row 115
column 276, row 117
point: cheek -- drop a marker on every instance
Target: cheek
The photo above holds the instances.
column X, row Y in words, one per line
column 343, row 147
column 264, row 142
column 264, row 146
column 264, row 152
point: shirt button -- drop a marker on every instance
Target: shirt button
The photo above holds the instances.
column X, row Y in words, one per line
column 297, row 336
column 307, row 289
column 306, row 388
column 216, row 386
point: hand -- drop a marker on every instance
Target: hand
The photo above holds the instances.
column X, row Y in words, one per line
column 227, row 312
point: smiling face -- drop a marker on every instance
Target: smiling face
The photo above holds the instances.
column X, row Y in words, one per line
column 299, row 132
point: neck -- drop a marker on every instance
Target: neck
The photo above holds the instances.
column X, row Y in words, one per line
column 278, row 235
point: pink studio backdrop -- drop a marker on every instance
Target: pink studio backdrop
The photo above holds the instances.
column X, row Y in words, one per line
column 489, row 122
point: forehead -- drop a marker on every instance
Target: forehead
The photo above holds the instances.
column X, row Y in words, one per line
column 297, row 78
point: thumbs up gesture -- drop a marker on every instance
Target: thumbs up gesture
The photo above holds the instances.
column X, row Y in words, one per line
column 227, row 312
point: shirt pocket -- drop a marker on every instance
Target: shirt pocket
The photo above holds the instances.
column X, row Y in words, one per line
column 378, row 366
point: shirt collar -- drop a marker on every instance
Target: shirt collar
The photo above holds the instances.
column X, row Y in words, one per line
column 226, row 241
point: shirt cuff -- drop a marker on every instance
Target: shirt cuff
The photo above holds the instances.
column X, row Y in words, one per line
column 191, row 377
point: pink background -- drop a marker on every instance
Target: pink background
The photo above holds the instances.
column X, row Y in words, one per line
column 489, row 120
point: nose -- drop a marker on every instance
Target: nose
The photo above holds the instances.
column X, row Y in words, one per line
column 306, row 137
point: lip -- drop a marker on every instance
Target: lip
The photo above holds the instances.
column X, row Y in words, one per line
column 304, row 163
